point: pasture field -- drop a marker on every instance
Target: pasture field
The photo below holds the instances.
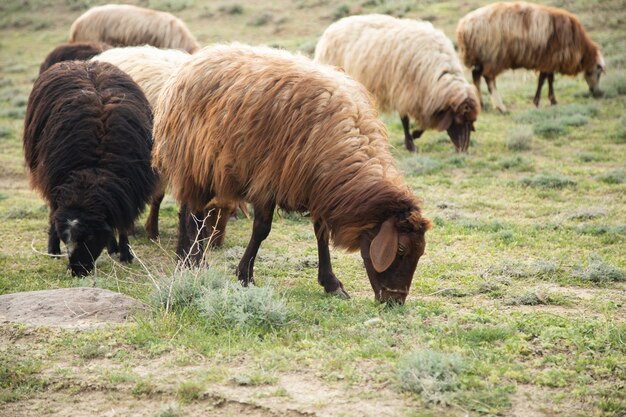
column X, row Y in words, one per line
column 517, row 308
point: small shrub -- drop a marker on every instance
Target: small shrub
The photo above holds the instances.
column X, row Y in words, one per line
column 185, row 287
column 517, row 162
column 231, row 9
column 549, row 128
column 520, row 140
column 253, row 379
column 587, row 214
column 613, row 177
column 548, row 182
column 614, row 85
column 433, row 375
column 189, row 391
column 530, row 298
column 574, row 120
column 599, row 271
column 261, row 19
column 170, row 5
column 505, row 236
column 515, row 270
column 5, row 132
column 588, row 157
column 556, row 120
column 235, row 306
column 340, row 12
column 142, row 389
column 14, row 113
column 457, row 160
column 169, row 410
column 601, row 229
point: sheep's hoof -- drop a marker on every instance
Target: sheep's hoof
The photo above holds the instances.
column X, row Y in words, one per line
column 341, row 293
column 126, row 258
column 503, row 110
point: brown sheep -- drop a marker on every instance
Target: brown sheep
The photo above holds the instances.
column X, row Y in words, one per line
column 126, row 25
column 275, row 129
column 500, row 36
column 81, row 51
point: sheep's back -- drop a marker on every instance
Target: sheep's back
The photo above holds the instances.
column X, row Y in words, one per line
column 408, row 65
column 148, row 66
column 264, row 125
column 87, row 116
column 522, row 35
column 127, row 25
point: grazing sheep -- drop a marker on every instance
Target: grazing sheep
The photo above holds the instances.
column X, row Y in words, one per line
column 87, row 143
column 410, row 67
column 275, row 129
column 73, row 51
column 500, row 36
column 149, row 67
column 126, row 25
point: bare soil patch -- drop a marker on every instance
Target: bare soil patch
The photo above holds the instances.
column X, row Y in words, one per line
column 78, row 308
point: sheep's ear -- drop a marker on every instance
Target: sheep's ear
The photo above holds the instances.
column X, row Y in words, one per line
column 384, row 246
column 446, row 120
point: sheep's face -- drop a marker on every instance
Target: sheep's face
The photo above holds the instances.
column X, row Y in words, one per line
column 459, row 123
column 391, row 256
column 592, row 76
column 84, row 239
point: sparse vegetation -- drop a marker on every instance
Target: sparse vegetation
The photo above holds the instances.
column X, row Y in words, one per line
column 434, row 375
column 520, row 140
column 548, row 181
column 516, row 306
column 599, row 271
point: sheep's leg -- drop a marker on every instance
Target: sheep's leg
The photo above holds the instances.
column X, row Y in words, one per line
column 190, row 233
column 216, row 224
column 260, row 229
column 542, row 78
column 112, row 246
column 408, row 140
column 417, row 133
column 152, row 222
column 54, row 243
column 125, row 254
column 496, row 100
column 325, row 275
column 477, row 72
column 551, row 95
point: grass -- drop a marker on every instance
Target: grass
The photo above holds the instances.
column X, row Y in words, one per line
column 548, row 182
column 519, row 294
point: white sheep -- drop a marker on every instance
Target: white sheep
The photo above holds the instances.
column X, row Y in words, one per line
column 410, row 67
column 127, row 25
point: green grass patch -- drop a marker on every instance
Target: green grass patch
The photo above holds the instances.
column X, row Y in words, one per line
column 545, row 181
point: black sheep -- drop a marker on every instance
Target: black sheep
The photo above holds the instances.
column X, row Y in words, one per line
column 73, row 51
column 87, row 144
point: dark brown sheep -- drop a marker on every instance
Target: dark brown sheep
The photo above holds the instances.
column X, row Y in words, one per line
column 81, row 51
column 87, row 144
column 275, row 129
